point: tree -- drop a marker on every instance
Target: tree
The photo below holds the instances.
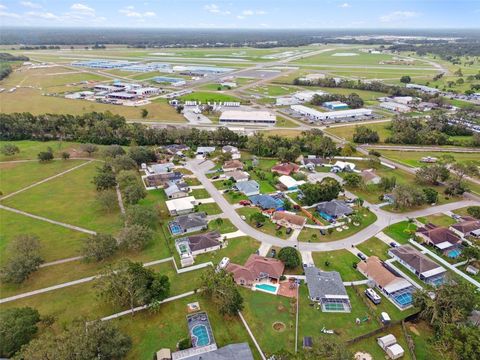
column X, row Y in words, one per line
column 123, row 162
column 407, row 196
column 22, row 260
column 131, row 284
column 352, row 180
column 387, row 183
column 107, row 199
column 99, row 247
column 142, row 154
column 134, row 237
column 140, row 215
column 9, row 149
column 431, row 195
column 432, row 175
column 347, row 150
column 363, row 135
column 468, row 168
column 45, row 156
column 126, row 178
column 105, row 178
column 17, row 327
column 144, row 113
column 326, row 190
column 455, row 187
column 97, row 340
column 406, row 79
column 89, row 149
column 134, row 193
column 471, row 253
column 463, row 341
column 258, row 218
column 327, row 348
column 65, row 155
column 221, row 289
column 290, row 257
column 113, row 151
column 474, row 211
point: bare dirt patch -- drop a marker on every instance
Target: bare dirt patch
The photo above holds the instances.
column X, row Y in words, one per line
column 278, row 326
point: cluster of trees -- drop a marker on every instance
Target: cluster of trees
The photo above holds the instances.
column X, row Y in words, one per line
column 474, row 211
column 9, row 149
column 5, row 70
column 9, row 57
column 23, row 258
column 17, row 327
column 447, row 312
column 325, row 190
column 446, row 50
column 352, row 100
column 407, row 196
column 290, row 257
column 364, row 135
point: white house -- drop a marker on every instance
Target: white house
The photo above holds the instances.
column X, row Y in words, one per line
column 181, row 206
column 341, row 166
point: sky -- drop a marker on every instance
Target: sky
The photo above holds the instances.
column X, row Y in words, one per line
column 260, row 14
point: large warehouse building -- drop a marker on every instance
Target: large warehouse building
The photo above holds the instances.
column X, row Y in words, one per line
column 331, row 115
column 248, row 117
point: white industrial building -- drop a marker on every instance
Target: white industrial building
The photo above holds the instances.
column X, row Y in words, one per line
column 405, row 100
column 248, row 117
column 308, row 95
column 331, row 115
column 423, row 88
column 393, row 106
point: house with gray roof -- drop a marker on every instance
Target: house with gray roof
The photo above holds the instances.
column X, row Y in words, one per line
column 191, row 246
column 173, row 191
column 185, row 224
column 334, row 209
column 249, row 188
column 326, row 288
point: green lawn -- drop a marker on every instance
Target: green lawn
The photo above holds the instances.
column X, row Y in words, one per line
column 311, row 320
column 401, row 231
column 70, row 198
column 192, row 181
column 339, row 260
column 16, row 176
column 412, row 158
column 233, row 197
column 346, row 132
column 267, row 228
column 210, row 208
column 375, row 247
column 261, row 312
column 29, row 149
column 438, row 219
column 200, row 194
column 205, row 97
column 238, row 250
column 284, row 122
column 224, row 226
column 313, row 235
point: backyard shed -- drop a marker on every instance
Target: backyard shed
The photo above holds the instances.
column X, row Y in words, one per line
column 395, row 351
column 385, row 341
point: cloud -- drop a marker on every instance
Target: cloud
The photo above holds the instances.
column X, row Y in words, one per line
column 2, row 7
column 397, row 16
column 45, row 15
column 345, row 5
column 82, row 8
column 215, row 9
column 253, row 12
column 130, row 11
column 6, row 14
column 30, row 5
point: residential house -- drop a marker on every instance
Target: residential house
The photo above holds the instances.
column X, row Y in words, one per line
column 248, row 188
column 228, row 149
column 238, row 175
column 289, row 183
column 334, row 209
column 175, row 191
column 203, row 151
column 267, row 202
column 185, row 224
column 342, row 166
column 443, row 239
column 232, row 165
column 175, row 149
column 326, row 288
column 181, row 206
column 311, row 162
column 369, row 177
column 161, row 180
column 191, row 246
column 423, row 267
column 465, row 228
column 257, row 268
column 160, row 168
column 288, row 220
column 285, row 168
column 396, row 288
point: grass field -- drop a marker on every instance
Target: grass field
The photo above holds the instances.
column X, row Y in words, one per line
column 401, row 231
column 30, row 149
column 71, row 199
column 339, row 260
column 375, row 247
column 438, row 219
column 268, row 227
column 16, row 176
column 360, row 58
column 210, row 208
column 238, row 250
column 412, row 158
column 205, row 97
column 346, row 132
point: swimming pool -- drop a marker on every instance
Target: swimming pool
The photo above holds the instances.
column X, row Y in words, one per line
column 452, row 254
column 269, row 288
column 404, row 299
column 200, row 336
column 175, row 229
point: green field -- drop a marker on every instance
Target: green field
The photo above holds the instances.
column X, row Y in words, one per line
column 205, row 97
column 339, row 260
column 346, row 132
column 268, row 227
column 412, row 158
column 375, row 247
column 401, row 231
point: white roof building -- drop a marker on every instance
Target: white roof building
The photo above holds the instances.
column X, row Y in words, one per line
column 395, row 351
column 394, row 106
column 248, row 117
column 289, row 182
column 308, row 95
column 403, row 99
column 386, row 341
column 330, row 115
column 181, row 206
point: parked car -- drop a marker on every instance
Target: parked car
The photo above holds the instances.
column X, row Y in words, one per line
column 296, row 207
column 244, row 202
column 361, row 256
column 289, row 231
column 322, row 232
column 278, row 227
column 259, row 225
column 215, row 177
column 243, row 217
column 273, row 253
column 393, row 244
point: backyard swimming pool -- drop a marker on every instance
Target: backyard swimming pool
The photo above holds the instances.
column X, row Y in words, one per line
column 200, row 336
column 404, row 299
column 452, row 254
column 269, row 288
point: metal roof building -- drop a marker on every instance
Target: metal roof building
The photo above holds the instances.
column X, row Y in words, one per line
column 331, row 115
column 248, row 117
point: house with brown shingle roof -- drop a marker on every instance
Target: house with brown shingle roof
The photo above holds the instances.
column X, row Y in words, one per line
column 256, row 268
column 423, row 267
column 191, row 246
column 441, row 238
column 465, row 228
column 285, row 168
column 396, row 288
column 288, row 220
column 232, row 165
column 370, row 177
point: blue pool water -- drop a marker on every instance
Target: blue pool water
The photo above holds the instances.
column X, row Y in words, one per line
column 404, row 299
column 326, row 216
column 267, row 287
column 200, row 334
column 175, row 229
column 453, row 253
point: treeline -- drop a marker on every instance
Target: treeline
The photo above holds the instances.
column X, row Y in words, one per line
column 447, row 50
column 352, row 100
column 391, row 90
column 10, row 57
column 5, row 70
column 40, row 47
